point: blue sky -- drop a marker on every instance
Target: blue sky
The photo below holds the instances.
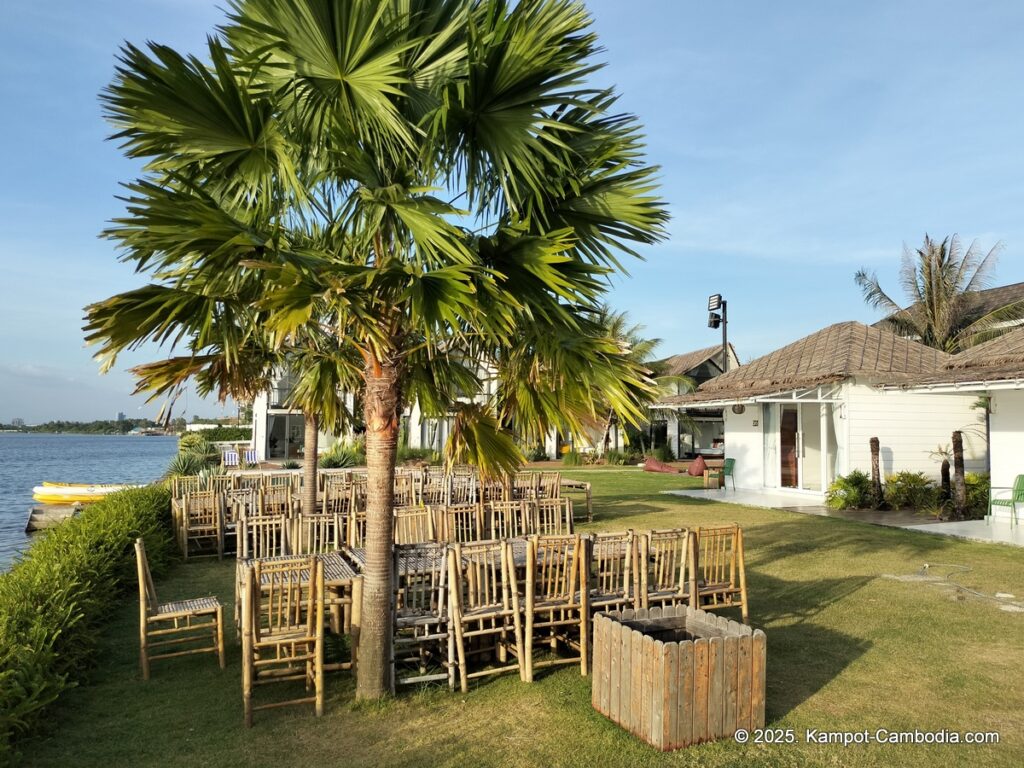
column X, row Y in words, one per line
column 798, row 142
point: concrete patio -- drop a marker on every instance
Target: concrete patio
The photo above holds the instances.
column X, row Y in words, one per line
column 999, row 532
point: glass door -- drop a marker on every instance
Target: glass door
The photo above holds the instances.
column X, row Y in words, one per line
column 789, row 446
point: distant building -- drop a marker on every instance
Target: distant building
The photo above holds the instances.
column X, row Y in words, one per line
column 17, row 422
column 121, row 416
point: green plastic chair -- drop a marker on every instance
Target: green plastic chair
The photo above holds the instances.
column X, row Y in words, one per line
column 727, row 470
column 1016, row 498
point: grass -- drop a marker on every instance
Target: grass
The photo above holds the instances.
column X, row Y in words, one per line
column 849, row 648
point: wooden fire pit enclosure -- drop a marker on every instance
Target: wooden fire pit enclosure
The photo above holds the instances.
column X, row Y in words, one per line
column 677, row 676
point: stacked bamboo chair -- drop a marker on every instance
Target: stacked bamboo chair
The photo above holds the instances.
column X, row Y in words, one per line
column 422, row 646
column 283, row 630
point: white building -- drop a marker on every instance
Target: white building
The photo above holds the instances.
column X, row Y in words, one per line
column 278, row 432
column 800, row 416
column 994, row 370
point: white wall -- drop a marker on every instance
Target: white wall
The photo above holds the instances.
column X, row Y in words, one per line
column 744, row 443
column 1007, row 436
column 909, row 427
column 259, row 425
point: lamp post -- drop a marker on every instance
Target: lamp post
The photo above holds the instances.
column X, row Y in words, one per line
column 716, row 302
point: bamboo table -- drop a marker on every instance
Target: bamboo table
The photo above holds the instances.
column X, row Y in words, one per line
column 584, row 487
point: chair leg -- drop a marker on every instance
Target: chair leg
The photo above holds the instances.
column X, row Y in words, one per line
column 220, row 636
column 143, row 654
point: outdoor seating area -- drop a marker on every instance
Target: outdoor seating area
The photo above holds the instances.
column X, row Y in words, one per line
column 499, row 582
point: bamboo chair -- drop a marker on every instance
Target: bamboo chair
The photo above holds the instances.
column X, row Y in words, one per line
column 549, row 485
column 556, row 600
column 414, row 525
column 486, row 613
column 202, row 519
column 666, row 574
column 552, row 517
column 721, row 577
column 355, row 527
column 611, row 560
column 277, row 500
column 252, row 482
column 264, row 536
column 182, row 485
column 460, row 523
column 508, row 519
column 238, row 503
column 524, row 486
column 283, row 630
column 220, row 483
column 407, row 490
column 316, row 534
column 422, row 648
column 492, row 490
column 436, row 487
column 462, row 489
column 183, row 622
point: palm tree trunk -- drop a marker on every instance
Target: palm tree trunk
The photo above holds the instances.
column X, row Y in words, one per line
column 310, row 449
column 876, row 474
column 959, row 488
column 380, row 408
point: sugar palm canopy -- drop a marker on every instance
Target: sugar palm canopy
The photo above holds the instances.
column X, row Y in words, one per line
column 434, row 181
column 941, row 281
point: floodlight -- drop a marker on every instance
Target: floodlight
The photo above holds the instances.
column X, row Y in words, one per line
column 714, row 320
column 714, row 302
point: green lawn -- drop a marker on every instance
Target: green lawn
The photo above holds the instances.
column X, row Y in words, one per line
column 849, row 648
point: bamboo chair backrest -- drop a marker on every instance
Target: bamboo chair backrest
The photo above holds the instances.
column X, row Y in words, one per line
column 421, row 580
column 553, row 516
column 220, row 483
column 491, row 490
column 524, row 485
column 251, row 481
column 556, row 566
column 316, row 534
column 717, row 550
column 549, row 485
column 328, row 477
column 461, row 523
column 357, row 493
column 240, row 502
column 202, row 509
column 668, row 555
column 484, row 574
column 508, row 519
column 276, row 500
column 337, row 497
column 284, row 597
column 612, row 563
column 414, row 525
column 182, row 485
column 462, row 489
column 355, row 527
column 407, row 490
column 263, row 536
column 436, row 488
column 281, row 479
column 147, row 592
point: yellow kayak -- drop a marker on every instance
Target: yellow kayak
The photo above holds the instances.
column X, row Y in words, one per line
column 71, row 493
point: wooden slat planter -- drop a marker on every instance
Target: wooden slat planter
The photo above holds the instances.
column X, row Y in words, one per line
column 677, row 676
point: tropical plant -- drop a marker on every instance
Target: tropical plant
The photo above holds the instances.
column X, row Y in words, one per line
column 572, row 459
column 941, row 281
column 852, row 491
column 185, row 464
column 349, row 453
column 304, row 180
column 911, row 490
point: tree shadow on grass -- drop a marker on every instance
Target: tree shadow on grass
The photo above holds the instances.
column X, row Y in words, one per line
column 803, row 655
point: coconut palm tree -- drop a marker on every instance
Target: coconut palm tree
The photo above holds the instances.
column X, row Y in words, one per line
column 941, row 281
column 322, row 149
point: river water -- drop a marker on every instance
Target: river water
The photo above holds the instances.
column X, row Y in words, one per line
column 26, row 460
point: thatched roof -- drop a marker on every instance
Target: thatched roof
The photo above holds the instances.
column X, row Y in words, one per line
column 981, row 302
column 681, row 365
column 1001, row 359
column 832, row 354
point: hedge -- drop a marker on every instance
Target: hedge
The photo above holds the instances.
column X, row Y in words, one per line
column 56, row 598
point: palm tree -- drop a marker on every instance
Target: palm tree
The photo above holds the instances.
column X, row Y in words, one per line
column 940, row 281
column 323, row 149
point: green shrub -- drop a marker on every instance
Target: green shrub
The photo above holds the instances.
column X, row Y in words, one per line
column 910, row 490
column 418, row 454
column 194, row 442
column 344, row 455
column 225, row 434
column 663, row 453
column 615, row 458
column 850, row 492
column 572, row 459
column 978, row 486
column 537, row 453
column 56, row 599
column 184, row 464
column 290, row 464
